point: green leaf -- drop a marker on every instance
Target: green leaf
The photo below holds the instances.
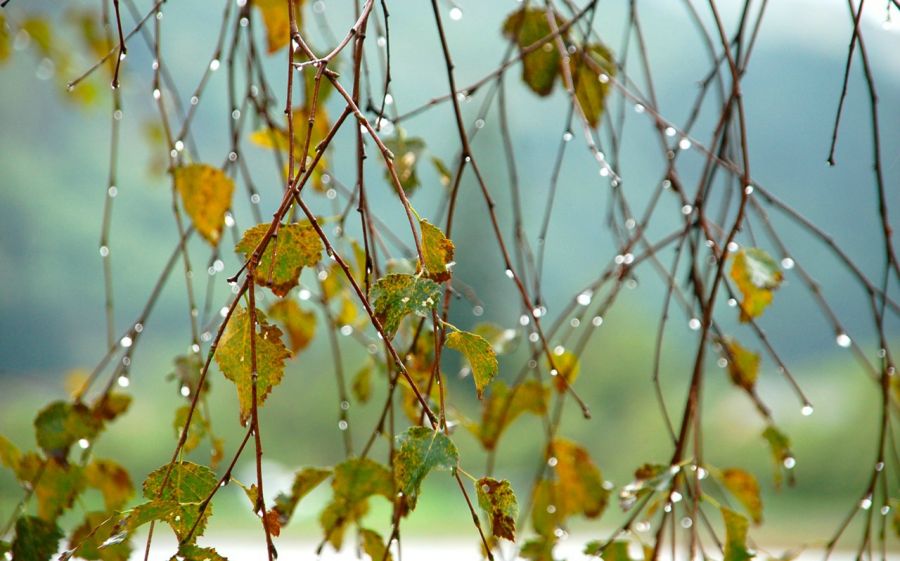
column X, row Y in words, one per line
column 235, row 360
column 187, row 373
column 397, row 295
column 193, row 552
column 498, row 501
column 89, row 540
column 437, row 250
column 418, row 451
column 503, row 405
column 36, row 539
column 782, row 457
column 744, row 487
column 112, row 480
column 373, row 545
column 579, row 482
column 9, row 454
column 299, row 324
column 444, row 173
column 743, row 365
column 735, row 536
column 355, row 480
column 177, row 501
column 407, row 152
column 541, row 66
column 590, row 91
column 296, row 246
column 305, row 480
column 480, row 355
column 61, row 424
column 206, row 195
column 196, row 433
column 538, row 549
column 615, row 551
column 757, row 276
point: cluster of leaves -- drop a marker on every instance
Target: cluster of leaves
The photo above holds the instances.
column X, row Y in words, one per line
column 405, row 304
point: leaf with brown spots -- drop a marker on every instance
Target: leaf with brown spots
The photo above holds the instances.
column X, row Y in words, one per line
column 206, row 195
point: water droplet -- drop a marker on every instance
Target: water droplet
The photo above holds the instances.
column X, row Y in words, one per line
column 179, row 145
column 676, row 497
column 567, row 136
column 156, row 93
column 123, row 381
column 455, row 13
column 866, row 503
column 195, row 100
column 597, row 321
column 686, row 522
column 722, row 362
column 126, row 342
column 117, row 114
column 342, row 425
column 684, row 144
column 787, row 263
column 687, row 209
column 214, row 64
column 843, row 340
column 524, row 320
column 185, row 391
column 304, row 294
column 322, row 275
column 537, row 312
column 244, row 22
column 806, row 410
column 229, row 220
column 104, row 251
column 477, row 311
column 254, row 198
column 552, row 461
column 670, row 131
column 479, row 123
column 879, row 466
column 885, row 510
column 83, row 443
column 790, row 462
column 694, row 324
column 603, row 78
column 345, row 405
column 346, row 330
column 638, row 108
column 331, row 194
column 732, row 302
column 551, row 509
column 533, row 337
column 554, row 372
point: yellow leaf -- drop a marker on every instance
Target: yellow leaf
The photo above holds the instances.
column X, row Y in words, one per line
column 206, row 194
column 276, row 17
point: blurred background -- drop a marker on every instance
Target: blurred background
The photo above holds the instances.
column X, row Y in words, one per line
column 54, row 157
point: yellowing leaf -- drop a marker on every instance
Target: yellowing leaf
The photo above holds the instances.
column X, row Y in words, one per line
column 305, row 480
column 276, row 17
column 56, row 484
column 745, row 488
column 407, row 152
column 89, row 540
column 373, row 545
column 780, row 447
column 193, row 552
column 757, row 276
column 397, row 295
column 590, row 90
column 36, row 539
column 420, row 450
column 743, row 365
column 300, row 324
column 206, row 194
column 61, row 424
column 362, row 384
column 480, row 355
column 235, row 360
column 112, row 480
column 9, row 454
column 110, row 405
column 277, row 139
column 503, row 406
column 736, row 527
column 437, row 250
column 498, row 500
column 567, row 369
column 295, row 246
column 355, row 480
column 579, row 482
column 541, row 66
